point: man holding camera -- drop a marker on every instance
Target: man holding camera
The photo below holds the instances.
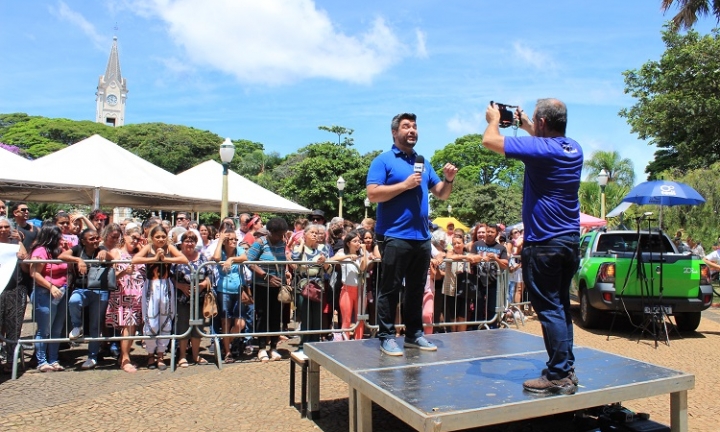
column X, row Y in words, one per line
column 551, row 218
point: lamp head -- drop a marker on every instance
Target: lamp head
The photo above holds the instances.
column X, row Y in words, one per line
column 340, row 183
column 227, row 151
column 602, row 178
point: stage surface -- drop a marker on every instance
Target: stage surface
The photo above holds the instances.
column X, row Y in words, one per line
column 475, row 379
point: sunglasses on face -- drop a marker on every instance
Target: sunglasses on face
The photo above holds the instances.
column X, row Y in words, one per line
column 24, row 209
column 190, row 241
column 180, row 218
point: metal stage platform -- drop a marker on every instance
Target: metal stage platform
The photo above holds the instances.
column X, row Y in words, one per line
column 475, row 379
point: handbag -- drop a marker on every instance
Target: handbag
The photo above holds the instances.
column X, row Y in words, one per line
column 210, row 305
column 101, row 277
column 311, row 290
column 285, row 294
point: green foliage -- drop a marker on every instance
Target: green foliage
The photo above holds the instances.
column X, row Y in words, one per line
column 589, row 195
column 678, row 102
column 477, row 164
column 701, row 222
column 619, row 170
column 340, row 131
column 472, row 203
column 171, row 147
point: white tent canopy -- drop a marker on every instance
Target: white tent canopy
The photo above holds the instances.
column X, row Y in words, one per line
column 96, row 171
column 204, row 181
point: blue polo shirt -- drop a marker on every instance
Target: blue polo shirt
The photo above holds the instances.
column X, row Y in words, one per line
column 552, row 179
column 406, row 215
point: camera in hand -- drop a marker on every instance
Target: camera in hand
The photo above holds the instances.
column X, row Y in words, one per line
column 506, row 116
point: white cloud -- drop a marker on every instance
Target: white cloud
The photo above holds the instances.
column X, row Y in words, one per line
column 466, row 123
column 421, row 48
column 533, row 57
column 275, row 41
column 64, row 12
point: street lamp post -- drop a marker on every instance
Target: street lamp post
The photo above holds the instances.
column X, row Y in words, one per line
column 602, row 180
column 341, row 187
column 227, row 151
column 367, row 205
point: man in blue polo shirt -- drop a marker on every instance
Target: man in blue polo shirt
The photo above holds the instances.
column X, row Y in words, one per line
column 399, row 182
column 551, row 217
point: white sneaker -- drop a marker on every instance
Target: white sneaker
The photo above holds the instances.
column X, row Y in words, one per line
column 89, row 364
column 75, row 333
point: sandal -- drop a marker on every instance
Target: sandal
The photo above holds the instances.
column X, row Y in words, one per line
column 161, row 364
column 183, row 363
column 274, row 355
column 263, row 356
column 129, row 367
column 229, row 358
column 201, row 361
column 152, row 362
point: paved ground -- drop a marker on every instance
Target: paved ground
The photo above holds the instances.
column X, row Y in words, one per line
column 252, row 396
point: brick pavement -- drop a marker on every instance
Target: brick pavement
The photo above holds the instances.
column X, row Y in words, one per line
column 252, row 396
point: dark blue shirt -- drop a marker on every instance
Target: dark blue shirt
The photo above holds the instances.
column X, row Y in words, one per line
column 406, row 215
column 552, row 179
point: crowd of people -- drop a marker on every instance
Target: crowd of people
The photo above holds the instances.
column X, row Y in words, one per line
column 154, row 263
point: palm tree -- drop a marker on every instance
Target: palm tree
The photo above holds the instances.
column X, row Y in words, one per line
column 620, row 171
column 690, row 10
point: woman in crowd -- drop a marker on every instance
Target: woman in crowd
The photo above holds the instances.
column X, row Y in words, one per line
column 125, row 305
column 310, row 312
column 254, row 224
column 457, row 285
column 477, row 233
column 13, row 299
column 437, row 276
column 208, row 233
column 95, row 300
column 371, row 274
column 267, row 279
column 49, row 296
column 62, row 220
column 229, row 285
column 111, row 236
column 516, row 279
column 354, row 252
column 183, row 274
column 159, row 299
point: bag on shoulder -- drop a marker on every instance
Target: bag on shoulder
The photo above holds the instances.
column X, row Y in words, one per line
column 210, row 305
column 311, row 290
column 101, row 277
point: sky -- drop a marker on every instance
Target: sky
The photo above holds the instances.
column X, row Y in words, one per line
column 272, row 71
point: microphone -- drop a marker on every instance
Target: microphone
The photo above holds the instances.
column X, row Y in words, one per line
column 419, row 166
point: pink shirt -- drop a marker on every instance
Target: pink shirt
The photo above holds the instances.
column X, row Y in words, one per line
column 54, row 273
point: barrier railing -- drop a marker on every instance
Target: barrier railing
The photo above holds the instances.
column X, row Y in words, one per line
column 267, row 319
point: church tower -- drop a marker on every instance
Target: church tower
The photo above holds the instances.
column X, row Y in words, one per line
column 111, row 92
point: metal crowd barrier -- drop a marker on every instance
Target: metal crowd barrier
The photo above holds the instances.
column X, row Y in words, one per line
column 267, row 318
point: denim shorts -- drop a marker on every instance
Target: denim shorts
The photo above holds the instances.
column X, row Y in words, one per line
column 228, row 305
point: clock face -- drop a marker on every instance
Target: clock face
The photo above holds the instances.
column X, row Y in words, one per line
column 112, row 99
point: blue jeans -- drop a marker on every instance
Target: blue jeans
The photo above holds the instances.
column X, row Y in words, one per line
column 548, row 269
column 96, row 301
column 511, row 291
column 50, row 319
column 407, row 260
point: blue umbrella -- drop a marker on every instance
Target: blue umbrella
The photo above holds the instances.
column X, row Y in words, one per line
column 664, row 193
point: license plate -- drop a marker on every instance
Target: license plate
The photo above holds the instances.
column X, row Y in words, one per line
column 656, row 309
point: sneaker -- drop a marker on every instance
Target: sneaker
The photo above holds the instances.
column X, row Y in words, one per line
column 543, row 385
column 274, row 355
column 420, row 343
column 115, row 350
column 390, row 347
column 571, row 375
column 75, row 333
column 89, row 364
column 45, row 367
column 57, row 367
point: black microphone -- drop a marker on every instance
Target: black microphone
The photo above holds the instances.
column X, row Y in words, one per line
column 419, row 164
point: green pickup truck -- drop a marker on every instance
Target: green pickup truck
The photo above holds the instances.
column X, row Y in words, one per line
column 609, row 279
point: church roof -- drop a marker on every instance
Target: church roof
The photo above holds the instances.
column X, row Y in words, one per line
column 113, row 67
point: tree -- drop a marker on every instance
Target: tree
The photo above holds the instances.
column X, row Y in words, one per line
column 619, row 170
column 678, row 102
column 477, row 164
column 340, row 131
column 472, row 202
column 690, row 10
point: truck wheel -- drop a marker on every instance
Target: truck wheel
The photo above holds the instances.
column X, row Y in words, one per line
column 688, row 321
column 589, row 316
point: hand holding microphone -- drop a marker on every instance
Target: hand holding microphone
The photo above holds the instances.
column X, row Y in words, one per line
column 415, row 179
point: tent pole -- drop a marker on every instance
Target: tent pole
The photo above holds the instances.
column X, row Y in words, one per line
column 96, row 198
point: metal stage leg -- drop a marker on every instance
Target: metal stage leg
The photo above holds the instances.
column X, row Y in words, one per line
column 679, row 411
column 313, row 390
column 363, row 412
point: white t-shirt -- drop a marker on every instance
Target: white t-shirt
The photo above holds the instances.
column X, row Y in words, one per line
column 350, row 272
column 713, row 256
